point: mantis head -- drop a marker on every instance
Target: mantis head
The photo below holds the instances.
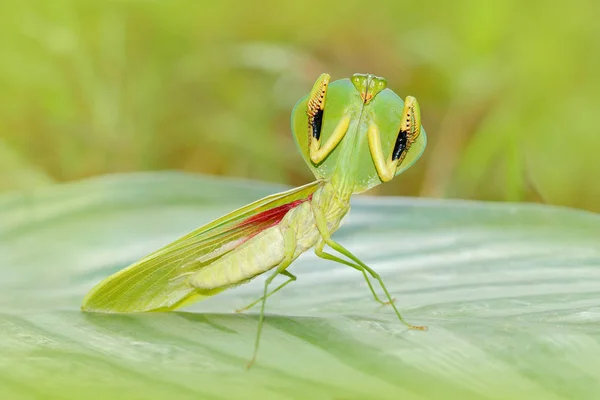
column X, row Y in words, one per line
column 368, row 85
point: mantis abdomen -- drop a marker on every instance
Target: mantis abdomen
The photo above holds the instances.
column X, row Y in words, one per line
column 292, row 236
column 257, row 255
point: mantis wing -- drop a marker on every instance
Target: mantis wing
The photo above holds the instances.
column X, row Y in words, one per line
column 158, row 282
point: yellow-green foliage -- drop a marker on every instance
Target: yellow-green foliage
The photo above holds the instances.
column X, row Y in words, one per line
column 509, row 90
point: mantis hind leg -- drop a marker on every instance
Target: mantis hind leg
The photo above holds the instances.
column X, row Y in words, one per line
column 290, row 250
column 327, row 256
column 284, row 272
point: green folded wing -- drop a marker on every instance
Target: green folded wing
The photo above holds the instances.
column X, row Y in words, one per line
column 158, row 282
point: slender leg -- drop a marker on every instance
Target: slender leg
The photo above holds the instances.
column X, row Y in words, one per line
column 327, row 256
column 410, row 128
column 321, row 223
column 315, row 110
column 286, row 273
column 290, row 249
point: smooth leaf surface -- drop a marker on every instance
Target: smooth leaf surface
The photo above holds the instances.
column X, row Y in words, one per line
column 510, row 292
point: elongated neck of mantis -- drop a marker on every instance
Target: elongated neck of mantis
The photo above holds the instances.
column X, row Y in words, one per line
column 344, row 177
column 343, row 184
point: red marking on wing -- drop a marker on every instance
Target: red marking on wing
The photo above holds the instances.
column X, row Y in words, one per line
column 271, row 217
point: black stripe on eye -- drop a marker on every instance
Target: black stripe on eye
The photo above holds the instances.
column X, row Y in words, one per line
column 400, row 145
column 316, row 122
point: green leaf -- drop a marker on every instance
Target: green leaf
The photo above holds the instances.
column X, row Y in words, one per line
column 510, row 293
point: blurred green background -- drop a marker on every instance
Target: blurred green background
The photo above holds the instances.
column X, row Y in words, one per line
column 509, row 90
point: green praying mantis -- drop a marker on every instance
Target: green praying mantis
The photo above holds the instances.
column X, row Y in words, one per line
column 354, row 134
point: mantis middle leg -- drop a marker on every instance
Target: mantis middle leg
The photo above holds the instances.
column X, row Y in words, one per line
column 327, row 256
column 321, row 223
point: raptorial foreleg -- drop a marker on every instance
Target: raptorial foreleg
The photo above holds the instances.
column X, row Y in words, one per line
column 410, row 128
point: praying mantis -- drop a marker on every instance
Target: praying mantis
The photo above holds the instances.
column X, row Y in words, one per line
column 353, row 134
